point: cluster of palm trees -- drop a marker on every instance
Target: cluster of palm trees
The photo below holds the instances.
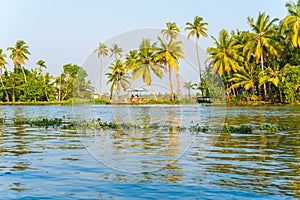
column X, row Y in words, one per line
column 24, row 85
column 11, row 81
column 263, row 62
column 150, row 58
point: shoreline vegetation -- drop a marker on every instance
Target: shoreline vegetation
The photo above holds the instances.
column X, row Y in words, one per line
column 260, row 66
column 75, row 102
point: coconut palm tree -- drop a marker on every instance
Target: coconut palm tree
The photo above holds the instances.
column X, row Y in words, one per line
column 276, row 75
column 225, row 56
column 189, row 85
column 117, row 77
column 115, row 51
column 168, row 55
column 42, row 65
column 19, row 55
column 146, row 64
column 131, row 60
column 246, row 77
column 171, row 32
column 291, row 23
column 101, row 51
column 197, row 28
column 261, row 41
column 2, row 67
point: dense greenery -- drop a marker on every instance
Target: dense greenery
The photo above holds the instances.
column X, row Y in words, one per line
column 24, row 85
column 260, row 64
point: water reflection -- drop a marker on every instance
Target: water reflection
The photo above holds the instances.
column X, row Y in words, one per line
column 148, row 144
column 265, row 162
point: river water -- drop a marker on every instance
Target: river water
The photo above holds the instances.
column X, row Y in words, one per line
column 156, row 157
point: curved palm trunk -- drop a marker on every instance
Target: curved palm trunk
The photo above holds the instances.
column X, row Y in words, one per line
column 100, row 89
column 198, row 58
column 178, row 84
column 262, row 68
column 7, row 97
column 153, row 91
column 171, row 84
column 232, row 90
column 23, row 74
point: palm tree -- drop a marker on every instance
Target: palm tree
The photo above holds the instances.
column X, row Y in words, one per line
column 246, row 77
column 171, row 32
column 291, row 23
column 42, row 64
column 168, row 55
column 19, row 55
column 197, row 28
column 189, row 85
column 116, row 51
column 101, row 51
column 117, row 77
column 131, row 60
column 225, row 56
column 276, row 75
column 146, row 64
column 261, row 41
column 2, row 66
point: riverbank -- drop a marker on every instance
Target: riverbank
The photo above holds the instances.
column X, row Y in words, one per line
column 151, row 102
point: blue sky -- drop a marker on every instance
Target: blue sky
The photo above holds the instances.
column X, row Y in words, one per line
column 67, row 31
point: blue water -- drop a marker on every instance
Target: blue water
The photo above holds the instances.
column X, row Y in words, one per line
column 39, row 163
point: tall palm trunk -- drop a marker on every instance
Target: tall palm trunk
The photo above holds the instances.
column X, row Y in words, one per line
column 153, row 91
column 23, row 73
column 46, row 93
column 13, row 93
column 178, row 84
column 281, row 97
column 100, row 89
column 171, row 84
column 7, row 97
column 262, row 68
column 198, row 58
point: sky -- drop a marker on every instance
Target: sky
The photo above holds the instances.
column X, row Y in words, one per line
column 67, row 31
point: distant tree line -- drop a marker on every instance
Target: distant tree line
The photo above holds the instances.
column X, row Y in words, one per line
column 31, row 85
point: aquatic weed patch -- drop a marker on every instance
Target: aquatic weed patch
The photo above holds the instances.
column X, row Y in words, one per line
column 41, row 122
column 97, row 124
column 237, row 129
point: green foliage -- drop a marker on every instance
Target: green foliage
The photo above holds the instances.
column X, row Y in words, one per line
column 2, row 120
column 72, row 83
column 264, row 61
column 42, row 122
column 241, row 129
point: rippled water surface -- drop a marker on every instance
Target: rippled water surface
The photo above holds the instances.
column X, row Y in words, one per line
column 153, row 158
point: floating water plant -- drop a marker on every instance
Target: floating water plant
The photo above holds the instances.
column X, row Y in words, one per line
column 240, row 129
column 198, row 128
column 42, row 122
column 2, row 120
